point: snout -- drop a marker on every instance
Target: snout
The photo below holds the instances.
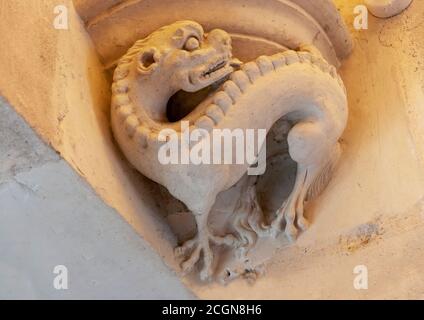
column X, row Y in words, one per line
column 211, row 62
column 217, row 44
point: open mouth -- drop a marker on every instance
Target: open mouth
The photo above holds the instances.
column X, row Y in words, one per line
column 183, row 103
column 215, row 71
column 216, row 67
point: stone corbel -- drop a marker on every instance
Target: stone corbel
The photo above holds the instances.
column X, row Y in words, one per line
column 288, row 78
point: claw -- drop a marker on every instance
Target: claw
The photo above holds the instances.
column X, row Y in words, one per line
column 188, row 265
column 207, row 271
column 181, row 251
column 276, row 226
column 201, row 245
column 274, row 232
column 291, row 232
column 205, row 276
column 303, row 223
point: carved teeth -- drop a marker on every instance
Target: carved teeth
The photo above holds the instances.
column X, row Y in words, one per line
column 124, row 112
column 222, row 100
column 215, row 113
column 278, row 60
column 291, row 57
column 265, row 65
column 205, row 122
column 215, row 67
column 241, row 80
column 131, row 125
column 140, row 136
column 252, row 71
column 232, row 90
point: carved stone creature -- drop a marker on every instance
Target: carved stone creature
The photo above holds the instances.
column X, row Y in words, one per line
column 300, row 86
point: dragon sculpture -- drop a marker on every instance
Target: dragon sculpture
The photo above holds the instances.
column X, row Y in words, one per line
column 298, row 85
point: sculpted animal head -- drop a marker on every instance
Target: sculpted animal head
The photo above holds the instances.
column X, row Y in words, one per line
column 180, row 56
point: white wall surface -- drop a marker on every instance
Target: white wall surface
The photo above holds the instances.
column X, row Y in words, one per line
column 49, row 216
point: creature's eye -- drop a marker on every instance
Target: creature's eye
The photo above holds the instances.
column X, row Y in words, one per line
column 192, row 44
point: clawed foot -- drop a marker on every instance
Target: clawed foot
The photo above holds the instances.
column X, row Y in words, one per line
column 292, row 211
column 294, row 220
column 190, row 252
